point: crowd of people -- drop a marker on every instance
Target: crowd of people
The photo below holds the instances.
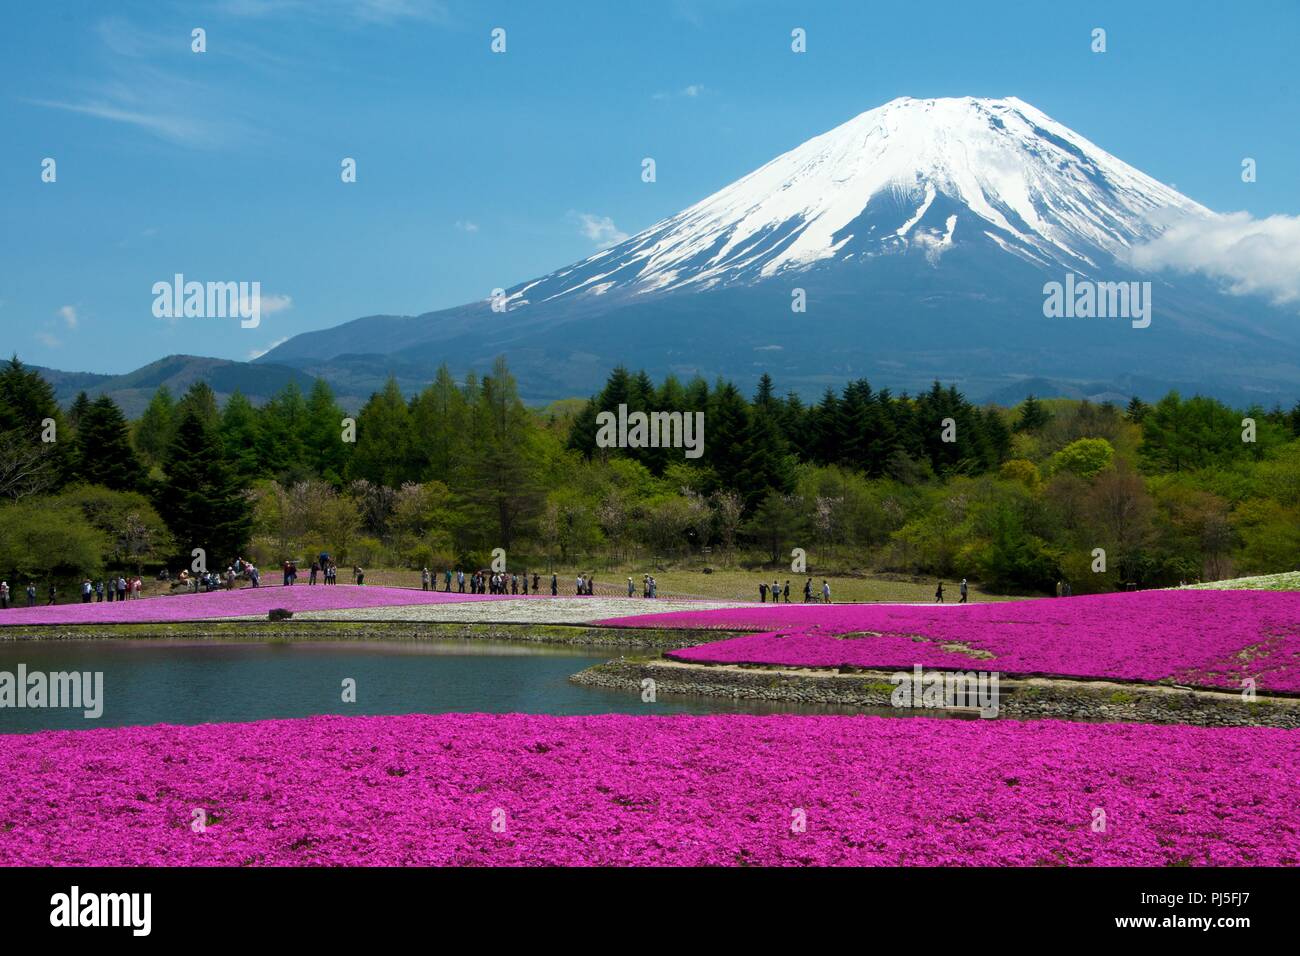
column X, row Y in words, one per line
column 503, row 582
column 119, row 588
column 649, row 587
column 777, row 591
column 321, row 571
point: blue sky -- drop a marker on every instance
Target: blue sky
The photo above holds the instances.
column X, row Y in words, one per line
column 478, row 170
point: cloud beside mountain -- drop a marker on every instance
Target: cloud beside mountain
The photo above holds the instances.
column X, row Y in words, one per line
column 1248, row 256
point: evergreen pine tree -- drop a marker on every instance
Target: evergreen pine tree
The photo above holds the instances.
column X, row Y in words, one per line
column 1033, row 415
column 1137, row 410
column 153, row 431
column 80, row 405
column 767, row 467
column 325, row 448
column 281, row 434
column 27, row 404
column 383, row 448
column 241, row 437
column 200, row 398
column 504, row 486
column 726, row 425
column 103, row 448
column 201, row 499
column 827, row 426
column 998, row 437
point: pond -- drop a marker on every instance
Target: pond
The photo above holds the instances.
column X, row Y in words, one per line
column 191, row 682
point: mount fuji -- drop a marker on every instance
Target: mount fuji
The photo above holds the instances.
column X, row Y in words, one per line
column 918, row 235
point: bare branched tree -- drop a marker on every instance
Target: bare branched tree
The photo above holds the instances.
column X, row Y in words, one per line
column 728, row 506
column 26, row 468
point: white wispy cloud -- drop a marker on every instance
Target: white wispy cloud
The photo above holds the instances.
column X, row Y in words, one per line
column 69, row 315
column 466, row 225
column 184, row 130
column 599, row 229
column 1248, row 256
column 141, row 79
column 48, row 339
column 690, row 92
column 382, row 12
column 258, row 353
column 274, row 303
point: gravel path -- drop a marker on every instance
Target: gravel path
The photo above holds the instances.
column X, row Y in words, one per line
column 510, row 610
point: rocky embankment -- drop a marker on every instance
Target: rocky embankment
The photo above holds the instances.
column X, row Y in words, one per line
column 298, row 629
column 1018, row 698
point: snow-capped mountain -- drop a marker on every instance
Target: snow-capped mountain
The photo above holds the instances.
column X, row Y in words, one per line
column 911, row 174
column 921, row 233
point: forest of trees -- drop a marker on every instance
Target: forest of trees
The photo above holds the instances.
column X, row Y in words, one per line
column 863, row 480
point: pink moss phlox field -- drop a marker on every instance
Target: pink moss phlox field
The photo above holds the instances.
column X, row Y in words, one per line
column 1205, row 638
column 218, row 604
column 618, row 789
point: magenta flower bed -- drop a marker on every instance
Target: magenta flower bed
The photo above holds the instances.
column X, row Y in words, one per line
column 616, row 789
column 218, row 604
column 1206, row 638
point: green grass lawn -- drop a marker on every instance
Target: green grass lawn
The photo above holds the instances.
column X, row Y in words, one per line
column 733, row 585
column 743, row 585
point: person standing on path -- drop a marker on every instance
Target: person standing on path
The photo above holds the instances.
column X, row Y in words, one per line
column 762, row 593
column 962, row 599
column 555, row 585
column 826, row 591
column 938, row 594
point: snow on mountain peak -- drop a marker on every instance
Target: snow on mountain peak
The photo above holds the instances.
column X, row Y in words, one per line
column 913, row 174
